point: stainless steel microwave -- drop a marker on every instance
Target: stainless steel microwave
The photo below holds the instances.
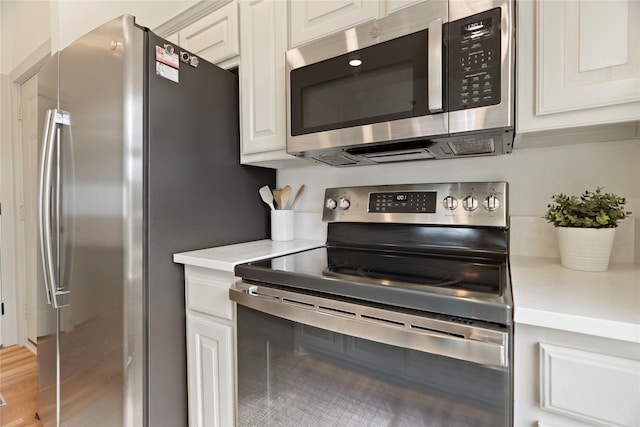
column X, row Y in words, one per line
column 433, row 81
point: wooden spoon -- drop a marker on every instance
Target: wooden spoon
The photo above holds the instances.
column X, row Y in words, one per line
column 297, row 197
column 284, row 198
column 277, row 197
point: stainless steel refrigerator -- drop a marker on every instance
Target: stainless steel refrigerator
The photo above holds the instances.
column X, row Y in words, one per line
column 139, row 160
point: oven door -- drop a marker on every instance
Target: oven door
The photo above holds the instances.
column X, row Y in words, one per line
column 310, row 360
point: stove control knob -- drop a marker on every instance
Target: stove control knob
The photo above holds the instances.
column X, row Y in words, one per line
column 470, row 203
column 330, row 204
column 450, row 203
column 344, row 203
column 491, row 203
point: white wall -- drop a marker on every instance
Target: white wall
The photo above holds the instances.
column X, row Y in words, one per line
column 25, row 26
column 74, row 17
column 534, row 174
column 28, row 24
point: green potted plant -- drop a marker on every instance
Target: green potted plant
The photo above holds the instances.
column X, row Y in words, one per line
column 585, row 227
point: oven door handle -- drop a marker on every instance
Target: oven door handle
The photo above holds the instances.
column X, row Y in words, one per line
column 254, row 292
column 488, row 347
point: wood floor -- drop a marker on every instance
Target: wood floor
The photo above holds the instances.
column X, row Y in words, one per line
column 19, row 387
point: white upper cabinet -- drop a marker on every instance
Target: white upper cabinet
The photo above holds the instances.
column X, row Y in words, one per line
column 579, row 66
column 263, row 43
column 312, row 19
column 387, row 7
column 214, row 37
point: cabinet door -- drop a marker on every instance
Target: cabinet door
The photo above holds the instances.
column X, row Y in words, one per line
column 589, row 386
column 214, row 37
column 312, row 19
column 211, row 372
column 578, row 63
column 262, row 75
column 388, row 7
column 574, row 380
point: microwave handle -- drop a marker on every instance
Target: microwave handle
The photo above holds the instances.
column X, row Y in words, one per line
column 434, row 66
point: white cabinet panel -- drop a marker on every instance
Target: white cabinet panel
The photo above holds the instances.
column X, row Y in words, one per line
column 210, row 296
column 173, row 38
column 603, row 45
column 263, row 68
column 214, row 37
column 210, row 372
column 312, row 19
column 588, row 54
column 574, row 380
column 388, row 7
column 262, row 83
column 262, row 75
column 593, row 387
column 578, row 71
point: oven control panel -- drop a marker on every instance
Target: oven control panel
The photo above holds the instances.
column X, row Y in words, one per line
column 403, row 202
column 460, row 203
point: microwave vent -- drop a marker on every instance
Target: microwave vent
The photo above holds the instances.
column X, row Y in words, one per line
column 335, row 160
column 473, row 146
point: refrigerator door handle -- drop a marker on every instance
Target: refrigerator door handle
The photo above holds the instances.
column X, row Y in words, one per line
column 54, row 294
column 44, row 205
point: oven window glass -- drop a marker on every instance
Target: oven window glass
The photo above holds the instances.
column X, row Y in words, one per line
column 290, row 374
column 388, row 84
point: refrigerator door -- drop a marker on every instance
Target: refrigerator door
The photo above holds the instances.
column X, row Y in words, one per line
column 92, row 226
column 47, row 315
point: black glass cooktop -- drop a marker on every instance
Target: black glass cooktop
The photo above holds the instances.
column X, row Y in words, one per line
column 416, row 272
column 468, row 287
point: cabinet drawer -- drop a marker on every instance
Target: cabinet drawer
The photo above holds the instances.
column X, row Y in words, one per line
column 210, row 295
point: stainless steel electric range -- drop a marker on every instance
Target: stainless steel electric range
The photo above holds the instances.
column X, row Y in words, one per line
column 404, row 317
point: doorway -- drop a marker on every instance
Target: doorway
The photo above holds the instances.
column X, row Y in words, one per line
column 29, row 207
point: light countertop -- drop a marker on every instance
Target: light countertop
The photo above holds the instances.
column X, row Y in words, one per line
column 605, row 304
column 225, row 258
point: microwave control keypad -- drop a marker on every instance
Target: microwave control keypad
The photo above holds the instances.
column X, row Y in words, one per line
column 474, row 61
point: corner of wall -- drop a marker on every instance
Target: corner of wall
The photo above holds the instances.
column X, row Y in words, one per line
column 637, row 241
column 7, row 259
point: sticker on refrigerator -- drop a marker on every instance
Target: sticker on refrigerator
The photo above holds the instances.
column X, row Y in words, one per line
column 167, row 72
column 167, row 62
column 166, row 55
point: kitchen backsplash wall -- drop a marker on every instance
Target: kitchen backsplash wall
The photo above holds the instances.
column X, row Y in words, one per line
column 533, row 236
column 534, row 174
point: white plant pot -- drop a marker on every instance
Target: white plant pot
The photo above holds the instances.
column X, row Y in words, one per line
column 586, row 249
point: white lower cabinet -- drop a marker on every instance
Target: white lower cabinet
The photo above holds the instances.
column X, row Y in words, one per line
column 210, row 372
column 569, row 379
column 210, row 347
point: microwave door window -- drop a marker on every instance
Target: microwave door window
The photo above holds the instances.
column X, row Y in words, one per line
column 384, row 93
column 380, row 83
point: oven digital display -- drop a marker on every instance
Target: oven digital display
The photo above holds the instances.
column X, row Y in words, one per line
column 403, row 202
